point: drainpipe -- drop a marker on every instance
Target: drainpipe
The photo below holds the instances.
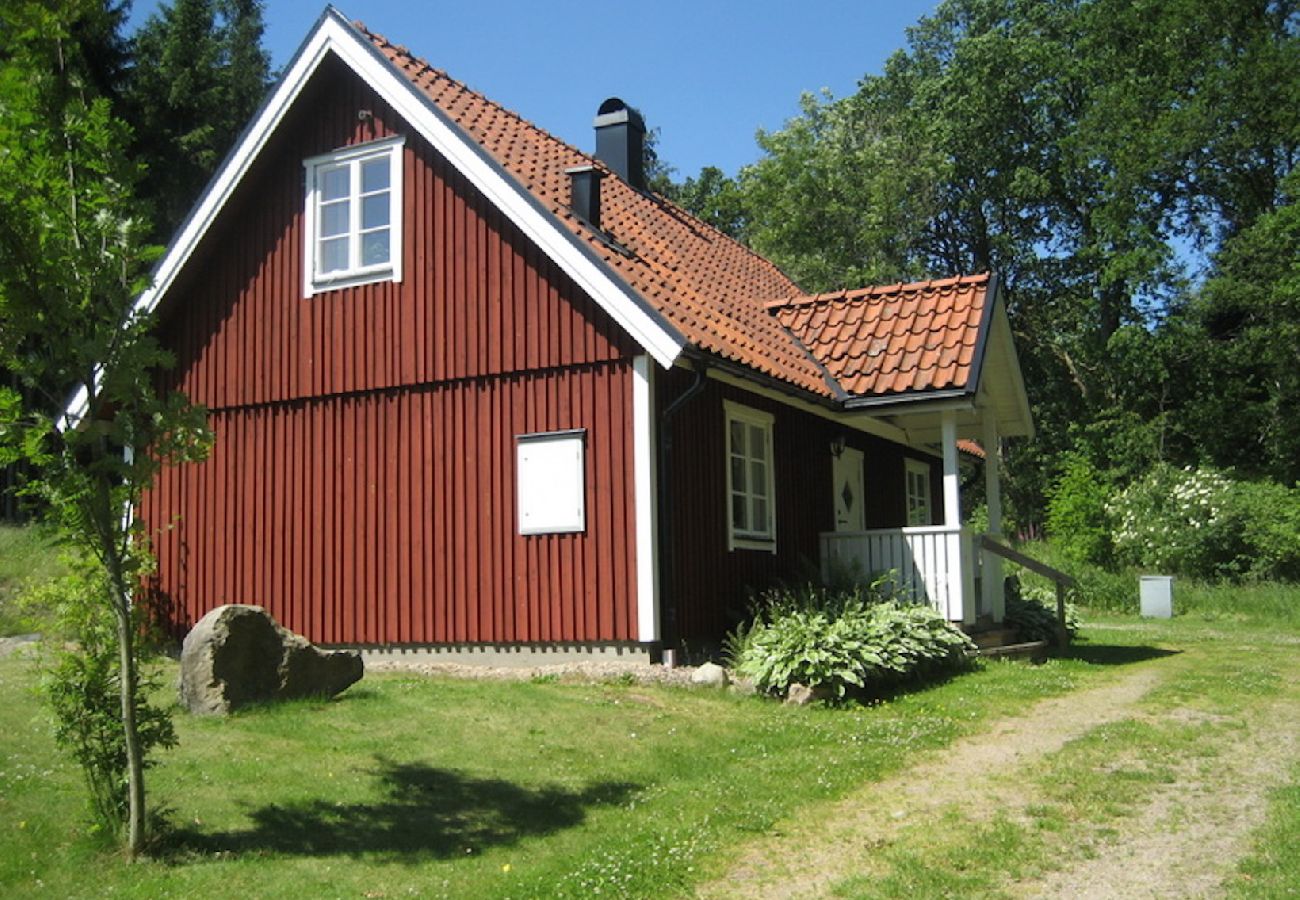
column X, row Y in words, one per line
column 667, row 608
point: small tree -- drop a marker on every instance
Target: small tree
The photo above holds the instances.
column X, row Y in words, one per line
column 71, row 259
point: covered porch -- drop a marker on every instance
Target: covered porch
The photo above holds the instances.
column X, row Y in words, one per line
column 943, row 564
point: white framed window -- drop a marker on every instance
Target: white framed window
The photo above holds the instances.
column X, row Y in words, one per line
column 918, row 492
column 550, row 475
column 353, row 216
column 751, row 482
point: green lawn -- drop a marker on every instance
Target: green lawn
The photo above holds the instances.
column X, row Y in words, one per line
column 474, row 789
column 24, row 555
column 409, row 785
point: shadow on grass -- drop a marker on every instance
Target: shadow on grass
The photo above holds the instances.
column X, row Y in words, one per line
column 1116, row 654
column 423, row 811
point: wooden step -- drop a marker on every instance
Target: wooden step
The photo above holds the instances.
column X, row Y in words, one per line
column 1034, row 651
column 993, row 637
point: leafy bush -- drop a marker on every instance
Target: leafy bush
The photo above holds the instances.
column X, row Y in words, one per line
column 843, row 639
column 1205, row 524
column 1031, row 611
column 1076, row 512
column 81, row 682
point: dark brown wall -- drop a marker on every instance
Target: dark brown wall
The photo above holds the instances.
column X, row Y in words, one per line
column 710, row 586
column 362, row 484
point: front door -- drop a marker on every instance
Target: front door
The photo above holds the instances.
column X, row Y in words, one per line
column 846, row 478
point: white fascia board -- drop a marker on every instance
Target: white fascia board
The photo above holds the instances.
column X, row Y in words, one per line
column 333, row 33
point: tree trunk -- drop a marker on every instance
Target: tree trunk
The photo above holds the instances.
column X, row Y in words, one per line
column 135, row 823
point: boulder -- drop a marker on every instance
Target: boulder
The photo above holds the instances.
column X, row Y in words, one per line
column 237, row 655
column 710, row 675
column 801, row 694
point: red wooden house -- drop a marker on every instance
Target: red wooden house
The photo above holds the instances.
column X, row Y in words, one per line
column 476, row 390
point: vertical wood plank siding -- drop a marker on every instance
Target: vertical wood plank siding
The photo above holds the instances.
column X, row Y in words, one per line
column 362, row 483
column 710, row 585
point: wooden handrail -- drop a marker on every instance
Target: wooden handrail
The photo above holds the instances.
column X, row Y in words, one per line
column 1062, row 580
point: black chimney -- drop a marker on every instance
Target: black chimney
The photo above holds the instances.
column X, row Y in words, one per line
column 584, row 193
column 620, row 140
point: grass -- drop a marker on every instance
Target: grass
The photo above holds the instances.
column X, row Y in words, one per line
column 1078, row 801
column 474, row 789
column 410, row 785
column 25, row 554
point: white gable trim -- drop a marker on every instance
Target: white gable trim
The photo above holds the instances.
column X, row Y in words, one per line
column 333, row 34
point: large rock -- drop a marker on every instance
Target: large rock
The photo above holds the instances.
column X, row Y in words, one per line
column 710, row 675
column 237, row 655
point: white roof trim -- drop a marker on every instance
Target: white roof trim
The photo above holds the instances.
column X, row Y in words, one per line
column 333, row 34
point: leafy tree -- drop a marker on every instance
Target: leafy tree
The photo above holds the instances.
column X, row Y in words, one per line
column 200, row 73
column 1087, row 150
column 71, row 258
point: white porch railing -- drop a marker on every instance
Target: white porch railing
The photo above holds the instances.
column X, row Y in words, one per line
column 932, row 564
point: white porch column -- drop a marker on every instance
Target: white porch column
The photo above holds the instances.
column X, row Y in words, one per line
column 994, row 596
column 961, row 587
column 951, row 477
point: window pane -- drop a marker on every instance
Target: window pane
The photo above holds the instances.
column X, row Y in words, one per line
column 334, row 183
column 374, row 247
column 334, row 254
column 374, row 211
column 760, row 516
column 374, row 175
column 738, row 520
column 757, row 444
column 334, row 218
column 738, row 474
column 737, row 437
column 758, row 479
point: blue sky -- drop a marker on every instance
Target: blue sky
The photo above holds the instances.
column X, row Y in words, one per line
column 706, row 74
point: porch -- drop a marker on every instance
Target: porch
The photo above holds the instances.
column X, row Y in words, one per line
column 945, row 565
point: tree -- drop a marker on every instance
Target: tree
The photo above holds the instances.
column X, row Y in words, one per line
column 1087, row 150
column 71, row 259
column 199, row 74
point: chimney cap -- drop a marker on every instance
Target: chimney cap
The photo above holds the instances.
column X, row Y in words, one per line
column 615, row 112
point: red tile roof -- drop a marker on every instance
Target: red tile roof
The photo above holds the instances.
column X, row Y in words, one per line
column 708, row 286
column 721, row 296
column 895, row 339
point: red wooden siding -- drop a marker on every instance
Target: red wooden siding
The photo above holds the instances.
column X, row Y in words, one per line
column 711, row 586
column 390, row 517
column 476, row 298
column 362, row 482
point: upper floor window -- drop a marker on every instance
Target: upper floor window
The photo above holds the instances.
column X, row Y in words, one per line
column 751, row 484
column 918, row 492
column 354, row 216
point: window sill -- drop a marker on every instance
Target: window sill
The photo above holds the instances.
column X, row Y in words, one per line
column 353, row 279
column 749, row 543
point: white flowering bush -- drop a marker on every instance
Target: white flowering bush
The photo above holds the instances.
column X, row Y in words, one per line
column 1201, row 522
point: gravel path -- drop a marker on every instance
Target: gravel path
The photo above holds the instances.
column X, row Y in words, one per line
column 806, row 860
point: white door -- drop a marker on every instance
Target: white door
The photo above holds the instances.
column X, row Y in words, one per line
column 846, row 478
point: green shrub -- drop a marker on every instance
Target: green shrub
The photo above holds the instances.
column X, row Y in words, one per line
column 80, row 680
column 1205, row 524
column 1076, row 512
column 840, row 640
column 1031, row 612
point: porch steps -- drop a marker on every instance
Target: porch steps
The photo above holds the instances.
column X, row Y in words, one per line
column 1033, row 651
column 996, row 642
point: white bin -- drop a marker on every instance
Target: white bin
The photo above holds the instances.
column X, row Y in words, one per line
column 1157, row 595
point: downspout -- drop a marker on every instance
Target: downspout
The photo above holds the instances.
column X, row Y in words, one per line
column 667, row 608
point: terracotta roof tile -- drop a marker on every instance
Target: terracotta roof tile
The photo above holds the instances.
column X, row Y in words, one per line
column 709, row 287
column 895, row 338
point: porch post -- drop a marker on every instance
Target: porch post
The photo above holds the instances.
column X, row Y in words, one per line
column 995, row 597
column 960, row 576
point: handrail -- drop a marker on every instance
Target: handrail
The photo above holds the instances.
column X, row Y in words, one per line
column 1062, row 580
